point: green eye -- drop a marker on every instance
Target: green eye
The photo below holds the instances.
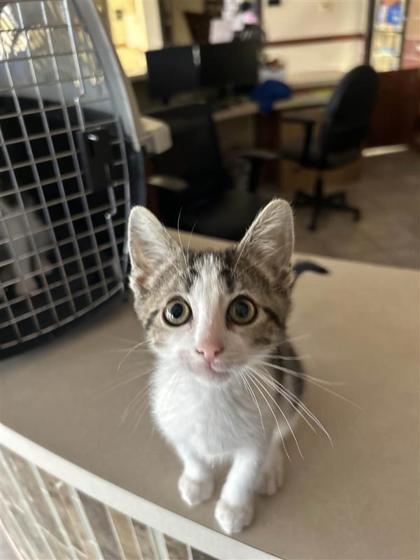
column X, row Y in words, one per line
column 177, row 312
column 242, row 311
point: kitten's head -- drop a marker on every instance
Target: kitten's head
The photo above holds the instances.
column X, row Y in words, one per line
column 212, row 312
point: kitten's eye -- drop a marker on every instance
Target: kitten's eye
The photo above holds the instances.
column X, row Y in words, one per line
column 177, row 312
column 242, row 311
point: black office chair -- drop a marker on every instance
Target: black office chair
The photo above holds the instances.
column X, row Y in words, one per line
column 194, row 189
column 342, row 131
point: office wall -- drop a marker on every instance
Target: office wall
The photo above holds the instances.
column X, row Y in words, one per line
column 295, row 20
column 135, row 23
column 318, row 57
column 180, row 33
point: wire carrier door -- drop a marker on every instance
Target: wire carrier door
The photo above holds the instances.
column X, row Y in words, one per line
column 67, row 147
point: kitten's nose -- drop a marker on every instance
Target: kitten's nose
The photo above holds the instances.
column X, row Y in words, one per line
column 209, row 349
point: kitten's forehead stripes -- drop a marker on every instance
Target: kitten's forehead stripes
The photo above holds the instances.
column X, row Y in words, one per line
column 180, row 275
column 231, row 270
column 223, row 261
column 227, row 271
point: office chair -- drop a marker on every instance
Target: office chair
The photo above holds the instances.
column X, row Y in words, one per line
column 195, row 192
column 342, row 131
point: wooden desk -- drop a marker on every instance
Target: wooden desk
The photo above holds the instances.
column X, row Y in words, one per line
column 268, row 126
column 298, row 101
column 359, row 325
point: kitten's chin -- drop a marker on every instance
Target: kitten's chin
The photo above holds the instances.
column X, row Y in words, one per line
column 212, row 378
column 209, row 375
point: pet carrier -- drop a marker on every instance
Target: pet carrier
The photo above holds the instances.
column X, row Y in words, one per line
column 70, row 149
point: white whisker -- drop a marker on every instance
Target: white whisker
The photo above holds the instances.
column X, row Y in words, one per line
column 189, row 239
column 124, row 382
column 304, row 407
column 315, row 381
column 179, row 239
column 132, row 349
column 138, row 396
column 290, row 358
column 259, row 380
column 311, row 415
column 290, row 399
column 251, row 392
column 252, row 380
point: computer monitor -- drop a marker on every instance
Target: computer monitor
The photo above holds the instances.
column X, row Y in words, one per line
column 229, row 65
column 173, row 70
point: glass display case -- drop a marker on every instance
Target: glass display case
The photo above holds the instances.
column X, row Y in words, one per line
column 395, row 35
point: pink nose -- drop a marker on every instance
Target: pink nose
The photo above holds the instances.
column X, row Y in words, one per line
column 209, row 349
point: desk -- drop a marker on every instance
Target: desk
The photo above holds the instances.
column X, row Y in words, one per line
column 298, row 82
column 357, row 500
column 306, row 95
column 310, row 89
column 298, row 101
column 268, row 126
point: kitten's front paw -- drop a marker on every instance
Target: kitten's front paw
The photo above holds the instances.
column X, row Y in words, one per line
column 194, row 492
column 271, row 479
column 232, row 519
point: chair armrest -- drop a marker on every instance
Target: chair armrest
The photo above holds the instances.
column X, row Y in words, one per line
column 256, row 157
column 308, row 123
column 257, row 154
column 167, row 182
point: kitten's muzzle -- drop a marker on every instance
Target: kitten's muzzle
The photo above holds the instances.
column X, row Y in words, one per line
column 209, row 350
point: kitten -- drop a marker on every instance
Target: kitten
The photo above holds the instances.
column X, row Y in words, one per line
column 216, row 322
column 16, row 240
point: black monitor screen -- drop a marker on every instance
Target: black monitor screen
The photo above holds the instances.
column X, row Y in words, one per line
column 229, row 64
column 172, row 70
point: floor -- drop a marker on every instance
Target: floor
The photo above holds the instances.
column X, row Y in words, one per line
column 388, row 195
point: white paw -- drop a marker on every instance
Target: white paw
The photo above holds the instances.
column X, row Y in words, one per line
column 26, row 287
column 272, row 479
column 232, row 519
column 194, row 492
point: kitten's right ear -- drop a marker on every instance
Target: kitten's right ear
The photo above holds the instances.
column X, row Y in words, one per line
column 149, row 244
column 270, row 238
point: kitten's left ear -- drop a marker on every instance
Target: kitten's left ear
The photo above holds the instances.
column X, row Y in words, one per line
column 149, row 244
column 270, row 239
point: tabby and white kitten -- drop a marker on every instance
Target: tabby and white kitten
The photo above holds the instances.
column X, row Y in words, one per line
column 216, row 322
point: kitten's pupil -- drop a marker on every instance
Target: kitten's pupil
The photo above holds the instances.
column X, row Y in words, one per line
column 242, row 309
column 177, row 310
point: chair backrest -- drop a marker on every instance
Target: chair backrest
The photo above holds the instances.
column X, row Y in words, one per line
column 347, row 115
column 195, row 155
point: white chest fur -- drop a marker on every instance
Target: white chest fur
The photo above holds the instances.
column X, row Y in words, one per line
column 216, row 421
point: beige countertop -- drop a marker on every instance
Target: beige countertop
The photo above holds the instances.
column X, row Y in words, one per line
column 359, row 326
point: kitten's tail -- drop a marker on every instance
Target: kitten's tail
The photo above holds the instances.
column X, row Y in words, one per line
column 307, row 266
